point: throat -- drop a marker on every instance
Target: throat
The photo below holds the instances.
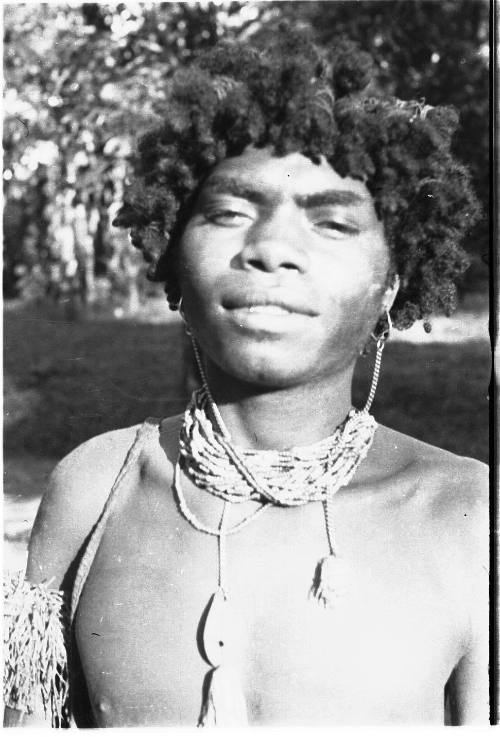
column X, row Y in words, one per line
column 285, row 418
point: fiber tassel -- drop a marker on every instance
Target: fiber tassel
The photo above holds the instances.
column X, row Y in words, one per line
column 35, row 668
column 223, row 703
column 329, row 582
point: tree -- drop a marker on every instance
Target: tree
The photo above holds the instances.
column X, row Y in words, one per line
column 80, row 84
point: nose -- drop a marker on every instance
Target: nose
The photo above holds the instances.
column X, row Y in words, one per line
column 275, row 243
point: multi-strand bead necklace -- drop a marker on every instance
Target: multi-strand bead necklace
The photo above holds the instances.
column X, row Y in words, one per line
column 269, row 477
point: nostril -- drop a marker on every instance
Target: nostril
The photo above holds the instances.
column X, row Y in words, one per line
column 255, row 263
column 268, row 255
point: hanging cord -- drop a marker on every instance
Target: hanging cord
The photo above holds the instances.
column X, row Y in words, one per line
column 381, row 340
column 222, row 551
column 186, row 512
column 213, row 407
column 375, row 377
column 297, row 476
column 226, row 442
column 284, row 478
column 327, row 508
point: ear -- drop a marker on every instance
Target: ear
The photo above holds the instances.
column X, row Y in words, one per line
column 390, row 294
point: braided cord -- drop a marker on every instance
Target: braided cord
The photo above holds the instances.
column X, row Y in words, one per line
column 375, row 376
column 221, row 533
column 285, row 478
column 189, row 516
column 327, row 509
column 221, row 540
column 215, row 410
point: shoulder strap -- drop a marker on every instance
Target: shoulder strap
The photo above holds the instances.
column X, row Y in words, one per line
column 147, row 431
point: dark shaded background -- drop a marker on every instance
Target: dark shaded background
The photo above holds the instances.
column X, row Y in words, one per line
column 66, row 382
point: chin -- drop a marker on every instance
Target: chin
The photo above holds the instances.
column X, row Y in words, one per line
column 266, row 367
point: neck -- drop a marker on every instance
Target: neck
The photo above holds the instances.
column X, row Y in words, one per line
column 276, row 419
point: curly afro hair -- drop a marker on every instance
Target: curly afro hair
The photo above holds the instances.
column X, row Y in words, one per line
column 297, row 97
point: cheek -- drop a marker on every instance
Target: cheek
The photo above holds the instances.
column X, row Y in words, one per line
column 353, row 281
column 196, row 266
column 354, row 287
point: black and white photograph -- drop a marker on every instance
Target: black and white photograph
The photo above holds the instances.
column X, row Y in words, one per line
column 247, row 364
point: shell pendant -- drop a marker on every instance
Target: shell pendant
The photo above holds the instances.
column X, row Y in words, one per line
column 219, row 632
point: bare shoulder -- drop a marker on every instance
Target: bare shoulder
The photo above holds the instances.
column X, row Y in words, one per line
column 75, row 495
column 452, row 491
column 448, row 512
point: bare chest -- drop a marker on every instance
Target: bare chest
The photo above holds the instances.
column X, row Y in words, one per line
column 383, row 654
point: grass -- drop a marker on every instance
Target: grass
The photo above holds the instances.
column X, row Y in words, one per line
column 67, row 381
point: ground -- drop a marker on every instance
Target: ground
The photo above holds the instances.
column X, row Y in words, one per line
column 65, row 381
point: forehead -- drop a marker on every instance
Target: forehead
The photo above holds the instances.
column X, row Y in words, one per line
column 293, row 174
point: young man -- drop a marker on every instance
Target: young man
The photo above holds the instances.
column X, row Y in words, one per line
column 227, row 579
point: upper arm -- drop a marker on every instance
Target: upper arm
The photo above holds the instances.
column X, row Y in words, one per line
column 469, row 682
column 72, row 503
column 469, row 686
column 74, row 498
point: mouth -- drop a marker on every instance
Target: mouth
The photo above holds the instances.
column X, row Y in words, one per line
column 265, row 310
column 275, row 305
column 268, row 314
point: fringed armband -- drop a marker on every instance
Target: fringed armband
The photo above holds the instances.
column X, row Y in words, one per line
column 35, row 649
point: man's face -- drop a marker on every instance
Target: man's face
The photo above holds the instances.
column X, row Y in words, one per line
column 282, row 269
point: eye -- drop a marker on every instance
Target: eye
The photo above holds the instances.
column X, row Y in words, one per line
column 333, row 222
column 228, row 218
column 334, row 227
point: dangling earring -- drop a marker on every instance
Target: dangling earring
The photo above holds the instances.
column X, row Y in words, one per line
column 183, row 317
column 190, row 381
column 380, row 340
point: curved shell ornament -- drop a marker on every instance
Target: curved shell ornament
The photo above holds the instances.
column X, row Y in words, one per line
column 219, row 633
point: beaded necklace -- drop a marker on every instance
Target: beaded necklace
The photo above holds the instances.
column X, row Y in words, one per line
column 281, row 478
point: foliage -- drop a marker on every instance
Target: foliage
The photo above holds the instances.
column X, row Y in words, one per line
column 82, row 81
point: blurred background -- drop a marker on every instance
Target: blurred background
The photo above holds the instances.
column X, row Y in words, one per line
column 90, row 344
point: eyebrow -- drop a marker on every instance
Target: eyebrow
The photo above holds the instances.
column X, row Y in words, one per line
column 239, row 188
column 269, row 196
column 329, row 197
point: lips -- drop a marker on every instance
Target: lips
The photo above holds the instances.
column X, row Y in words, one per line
column 272, row 302
column 267, row 310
